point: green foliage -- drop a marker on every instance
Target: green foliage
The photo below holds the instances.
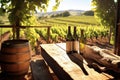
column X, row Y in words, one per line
column 61, row 31
column 23, row 10
column 32, row 36
column 4, row 19
column 22, row 34
column 2, row 11
column 56, row 5
column 42, row 32
column 32, row 21
column 66, row 13
column 92, row 30
column 105, row 11
column 54, row 37
column 3, row 30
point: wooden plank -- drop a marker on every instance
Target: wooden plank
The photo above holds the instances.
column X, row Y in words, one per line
column 88, row 71
column 11, row 26
column 40, row 70
column 59, row 55
column 57, row 69
column 4, row 37
column 81, row 61
column 102, row 56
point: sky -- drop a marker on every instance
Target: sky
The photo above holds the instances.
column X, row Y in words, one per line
column 71, row 4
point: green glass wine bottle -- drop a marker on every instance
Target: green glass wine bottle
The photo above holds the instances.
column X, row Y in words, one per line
column 82, row 42
column 69, row 40
column 75, row 41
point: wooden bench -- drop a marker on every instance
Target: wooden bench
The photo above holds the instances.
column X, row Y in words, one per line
column 40, row 70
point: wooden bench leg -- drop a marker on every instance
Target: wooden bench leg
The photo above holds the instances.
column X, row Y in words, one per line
column 40, row 70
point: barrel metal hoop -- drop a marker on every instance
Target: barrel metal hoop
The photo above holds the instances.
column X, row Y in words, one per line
column 8, row 53
column 3, row 62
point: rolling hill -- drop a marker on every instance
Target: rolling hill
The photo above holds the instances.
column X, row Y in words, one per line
column 72, row 12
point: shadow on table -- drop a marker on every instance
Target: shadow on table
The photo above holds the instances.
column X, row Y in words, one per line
column 78, row 59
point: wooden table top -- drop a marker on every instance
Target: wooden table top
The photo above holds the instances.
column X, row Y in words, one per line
column 64, row 66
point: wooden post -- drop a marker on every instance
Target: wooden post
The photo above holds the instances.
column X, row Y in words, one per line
column 48, row 34
column 17, row 33
column 117, row 31
column 17, row 28
column 13, row 30
column 117, row 41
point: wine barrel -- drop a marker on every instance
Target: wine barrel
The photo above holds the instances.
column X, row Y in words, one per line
column 15, row 57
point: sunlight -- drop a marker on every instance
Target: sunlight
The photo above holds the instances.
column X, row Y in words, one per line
column 115, row 0
column 71, row 5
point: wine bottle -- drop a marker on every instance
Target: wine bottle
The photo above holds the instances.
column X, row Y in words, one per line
column 75, row 41
column 69, row 40
column 82, row 42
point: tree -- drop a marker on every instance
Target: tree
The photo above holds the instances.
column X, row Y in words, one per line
column 89, row 13
column 21, row 11
column 66, row 13
column 105, row 12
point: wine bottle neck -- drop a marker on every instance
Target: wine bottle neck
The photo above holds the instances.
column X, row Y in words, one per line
column 69, row 35
column 75, row 34
column 69, row 30
column 74, row 30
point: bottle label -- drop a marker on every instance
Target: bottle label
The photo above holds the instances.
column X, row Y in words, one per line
column 76, row 46
column 68, row 46
column 82, row 47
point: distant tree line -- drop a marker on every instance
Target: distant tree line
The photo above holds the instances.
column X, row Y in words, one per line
column 66, row 14
column 63, row 14
column 89, row 13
